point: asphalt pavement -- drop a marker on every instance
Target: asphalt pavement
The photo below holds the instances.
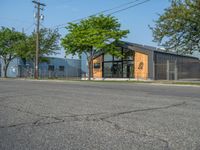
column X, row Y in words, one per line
column 80, row 115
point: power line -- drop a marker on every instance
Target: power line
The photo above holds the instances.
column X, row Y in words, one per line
column 28, row 28
column 101, row 12
column 122, row 5
column 129, row 7
column 107, row 10
column 43, row 26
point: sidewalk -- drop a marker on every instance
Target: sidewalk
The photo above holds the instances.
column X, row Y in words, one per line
column 155, row 82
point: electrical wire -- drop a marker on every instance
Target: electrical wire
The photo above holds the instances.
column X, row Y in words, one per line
column 104, row 11
column 101, row 12
column 28, row 28
column 107, row 10
column 129, row 7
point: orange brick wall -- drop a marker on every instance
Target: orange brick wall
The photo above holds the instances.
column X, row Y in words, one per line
column 141, row 66
column 97, row 72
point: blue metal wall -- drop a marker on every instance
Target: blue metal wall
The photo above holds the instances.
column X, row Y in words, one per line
column 17, row 68
column 12, row 68
column 84, row 65
column 72, row 68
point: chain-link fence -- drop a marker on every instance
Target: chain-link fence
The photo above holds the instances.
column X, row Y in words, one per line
column 72, row 73
column 177, row 71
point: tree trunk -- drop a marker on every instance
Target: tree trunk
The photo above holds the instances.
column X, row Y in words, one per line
column 90, row 64
column 5, row 68
column 6, row 64
column 90, row 68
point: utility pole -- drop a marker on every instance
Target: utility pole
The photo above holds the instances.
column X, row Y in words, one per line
column 38, row 17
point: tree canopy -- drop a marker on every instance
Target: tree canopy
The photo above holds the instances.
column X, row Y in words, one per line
column 16, row 44
column 92, row 36
column 178, row 28
column 49, row 44
column 10, row 45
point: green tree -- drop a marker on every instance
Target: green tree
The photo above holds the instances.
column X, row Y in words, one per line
column 92, row 36
column 10, row 45
column 178, row 28
column 49, row 45
column 15, row 44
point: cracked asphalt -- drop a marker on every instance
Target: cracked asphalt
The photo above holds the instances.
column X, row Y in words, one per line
column 77, row 115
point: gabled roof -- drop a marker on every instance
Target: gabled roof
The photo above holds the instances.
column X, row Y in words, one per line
column 146, row 49
column 135, row 46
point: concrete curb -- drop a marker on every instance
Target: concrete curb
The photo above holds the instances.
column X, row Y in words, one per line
column 158, row 83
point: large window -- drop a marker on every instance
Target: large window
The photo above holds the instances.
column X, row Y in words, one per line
column 128, row 69
column 128, row 55
column 108, row 69
column 97, row 65
column 61, row 68
column 114, row 67
column 51, row 68
column 108, row 57
column 117, row 70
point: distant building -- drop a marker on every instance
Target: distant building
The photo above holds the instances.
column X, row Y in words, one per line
column 53, row 68
column 144, row 62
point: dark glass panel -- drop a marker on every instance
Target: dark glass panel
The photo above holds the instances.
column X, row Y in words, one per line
column 107, row 70
column 108, row 57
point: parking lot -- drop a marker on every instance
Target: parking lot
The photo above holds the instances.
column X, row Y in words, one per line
column 43, row 115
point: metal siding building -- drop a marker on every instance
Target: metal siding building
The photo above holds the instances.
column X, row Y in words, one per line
column 170, row 66
column 54, row 68
column 12, row 70
column 164, row 65
column 60, row 67
column 145, row 62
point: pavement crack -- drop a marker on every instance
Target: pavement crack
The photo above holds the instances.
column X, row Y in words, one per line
column 15, row 125
column 102, row 116
column 38, row 122
column 82, row 115
column 21, row 110
column 42, row 119
column 47, row 122
column 120, row 128
column 142, row 110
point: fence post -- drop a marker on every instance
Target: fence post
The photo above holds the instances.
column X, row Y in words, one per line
column 167, row 71
column 175, row 71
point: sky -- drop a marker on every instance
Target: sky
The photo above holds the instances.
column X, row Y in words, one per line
column 20, row 15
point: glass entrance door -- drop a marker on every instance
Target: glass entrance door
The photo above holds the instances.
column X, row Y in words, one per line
column 117, row 70
column 128, row 69
column 112, row 69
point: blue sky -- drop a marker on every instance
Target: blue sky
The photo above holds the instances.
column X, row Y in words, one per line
column 20, row 14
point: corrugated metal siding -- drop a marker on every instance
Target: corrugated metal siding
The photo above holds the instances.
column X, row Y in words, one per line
column 18, row 68
column 72, row 68
column 166, row 65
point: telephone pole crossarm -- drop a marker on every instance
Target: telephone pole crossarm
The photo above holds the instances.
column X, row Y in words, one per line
column 38, row 3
